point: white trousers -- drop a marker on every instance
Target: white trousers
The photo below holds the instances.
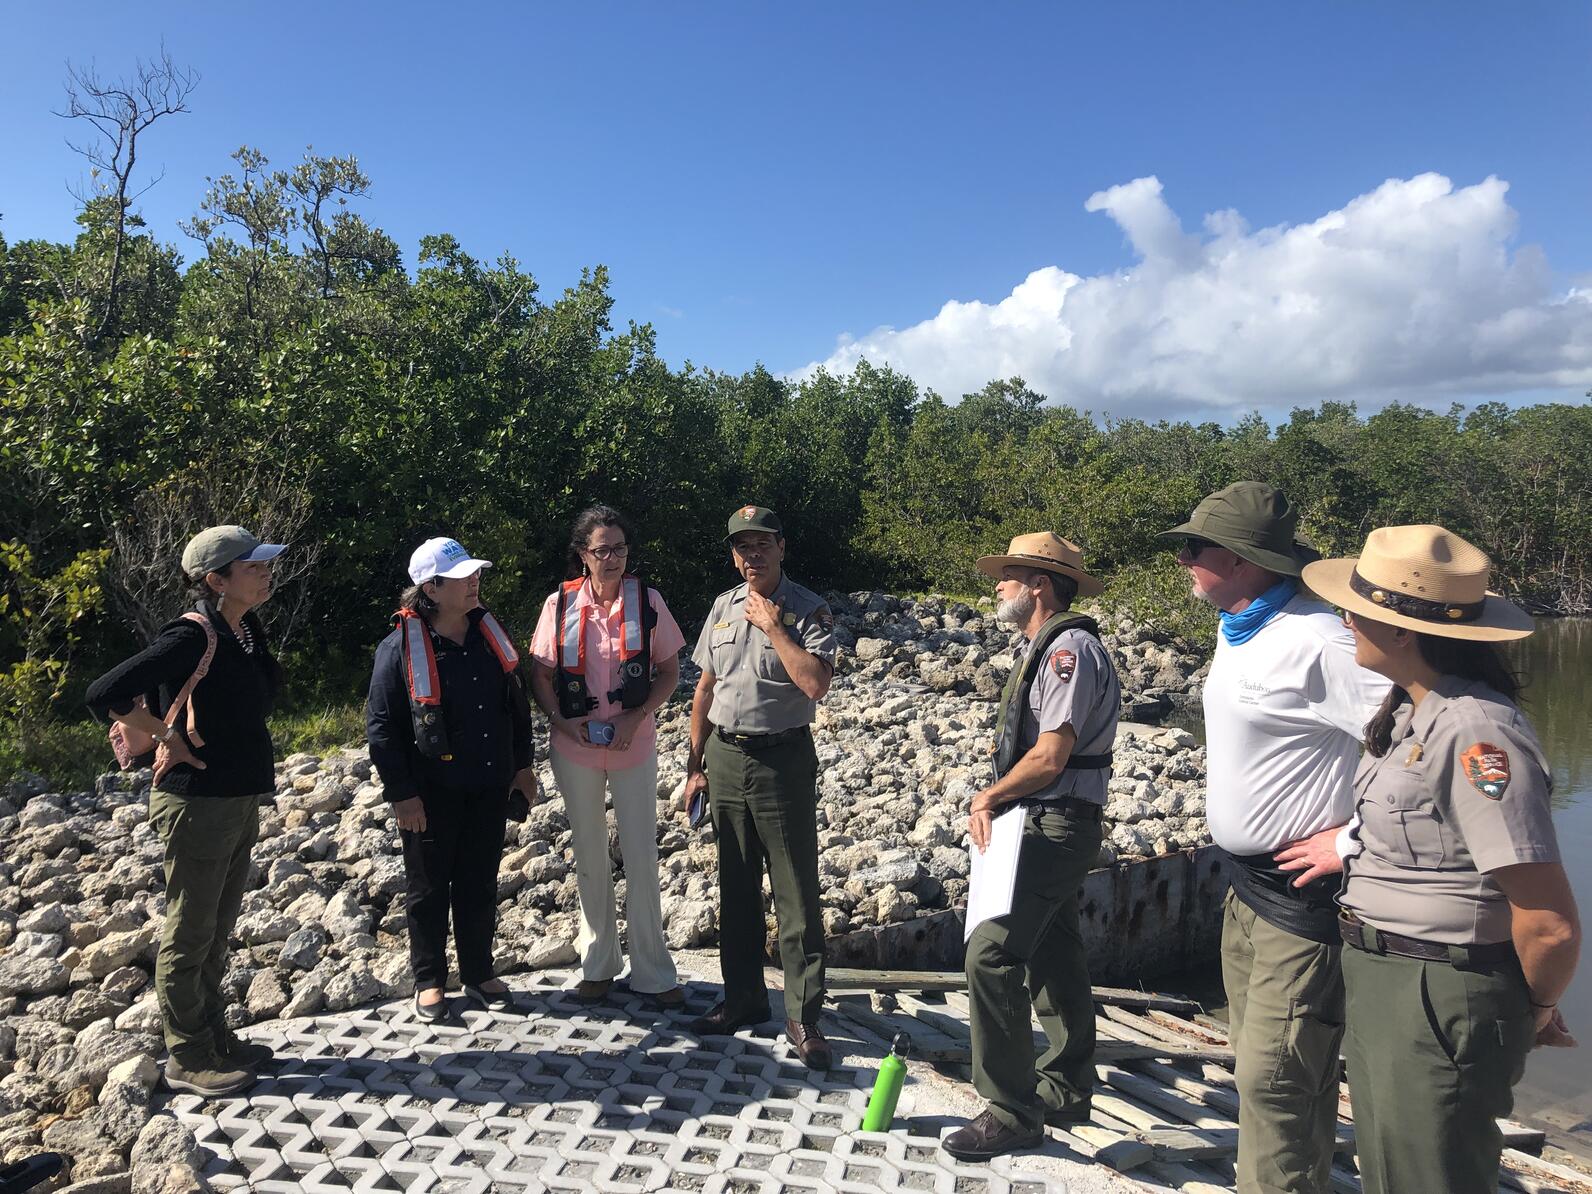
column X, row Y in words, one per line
column 635, row 795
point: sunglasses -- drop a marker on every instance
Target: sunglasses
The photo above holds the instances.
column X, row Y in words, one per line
column 1191, row 548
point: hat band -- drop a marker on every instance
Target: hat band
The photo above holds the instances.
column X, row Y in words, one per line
column 1447, row 612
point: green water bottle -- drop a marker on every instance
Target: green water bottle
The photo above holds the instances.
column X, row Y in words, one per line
column 887, row 1086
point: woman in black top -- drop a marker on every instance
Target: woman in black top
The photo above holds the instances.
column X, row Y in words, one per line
column 210, row 773
column 450, row 735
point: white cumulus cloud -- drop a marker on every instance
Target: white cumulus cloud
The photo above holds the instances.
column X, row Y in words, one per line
column 1414, row 290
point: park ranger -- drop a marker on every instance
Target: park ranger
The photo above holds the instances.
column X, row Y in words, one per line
column 1460, row 924
column 1054, row 735
column 767, row 654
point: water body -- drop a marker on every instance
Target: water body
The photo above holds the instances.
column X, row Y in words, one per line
column 1556, row 663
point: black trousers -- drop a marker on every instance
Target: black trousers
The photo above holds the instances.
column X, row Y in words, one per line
column 453, row 865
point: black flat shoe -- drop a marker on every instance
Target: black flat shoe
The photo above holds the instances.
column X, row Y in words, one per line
column 492, row 1001
column 432, row 1012
column 987, row 1137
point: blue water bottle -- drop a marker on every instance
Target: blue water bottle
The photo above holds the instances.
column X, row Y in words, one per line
column 887, row 1086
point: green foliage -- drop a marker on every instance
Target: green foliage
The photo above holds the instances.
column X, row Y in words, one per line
column 385, row 408
column 318, row 731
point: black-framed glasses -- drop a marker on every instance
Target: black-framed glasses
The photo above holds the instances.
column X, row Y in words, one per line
column 608, row 551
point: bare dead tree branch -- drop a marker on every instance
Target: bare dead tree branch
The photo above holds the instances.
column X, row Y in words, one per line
column 121, row 111
column 146, row 582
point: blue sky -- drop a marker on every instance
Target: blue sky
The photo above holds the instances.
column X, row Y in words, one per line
column 765, row 179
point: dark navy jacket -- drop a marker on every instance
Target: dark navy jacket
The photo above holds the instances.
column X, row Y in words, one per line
column 485, row 710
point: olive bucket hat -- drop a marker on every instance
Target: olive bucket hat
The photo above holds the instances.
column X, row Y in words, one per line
column 1255, row 522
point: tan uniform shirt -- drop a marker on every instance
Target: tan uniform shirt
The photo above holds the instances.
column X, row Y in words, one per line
column 1462, row 791
column 752, row 692
column 1077, row 687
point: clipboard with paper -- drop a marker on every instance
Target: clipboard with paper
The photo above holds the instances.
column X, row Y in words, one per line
column 992, row 876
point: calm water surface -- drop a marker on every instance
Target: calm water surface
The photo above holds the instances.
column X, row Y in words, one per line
column 1556, row 662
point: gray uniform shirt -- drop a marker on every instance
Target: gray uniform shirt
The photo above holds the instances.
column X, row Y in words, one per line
column 1076, row 686
column 1462, row 791
column 752, row 692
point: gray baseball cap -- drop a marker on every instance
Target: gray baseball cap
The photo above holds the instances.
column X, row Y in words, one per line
column 215, row 547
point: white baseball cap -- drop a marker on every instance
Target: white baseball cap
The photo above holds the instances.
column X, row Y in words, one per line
column 443, row 557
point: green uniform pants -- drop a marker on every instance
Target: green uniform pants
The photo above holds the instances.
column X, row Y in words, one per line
column 1434, row 1050
column 1285, row 1012
column 764, row 802
column 207, row 840
column 1033, row 959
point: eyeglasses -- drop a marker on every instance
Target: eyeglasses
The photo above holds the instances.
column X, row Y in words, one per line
column 608, row 551
column 1192, row 547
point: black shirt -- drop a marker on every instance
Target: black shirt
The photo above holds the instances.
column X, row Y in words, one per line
column 484, row 709
column 230, row 704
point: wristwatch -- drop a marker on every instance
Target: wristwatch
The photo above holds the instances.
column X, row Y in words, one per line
column 166, row 737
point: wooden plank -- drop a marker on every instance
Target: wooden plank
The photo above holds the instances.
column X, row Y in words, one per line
column 842, row 980
column 1193, row 1026
column 1194, row 1144
column 1121, row 1051
column 1547, row 1174
column 1182, row 1109
column 926, row 1046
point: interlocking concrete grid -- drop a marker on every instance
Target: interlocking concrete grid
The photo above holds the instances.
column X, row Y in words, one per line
column 560, row 1095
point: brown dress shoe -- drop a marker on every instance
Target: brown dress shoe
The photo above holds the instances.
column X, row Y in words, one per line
column 988, row 1137
column 593, row 990
column 715, row 1022
column 809, row 1043
column 673, row 997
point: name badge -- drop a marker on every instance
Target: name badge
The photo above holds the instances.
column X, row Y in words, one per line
column 721, row 625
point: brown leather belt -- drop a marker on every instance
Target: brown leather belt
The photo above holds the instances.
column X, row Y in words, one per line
column 759, row 741
column 1362, row 936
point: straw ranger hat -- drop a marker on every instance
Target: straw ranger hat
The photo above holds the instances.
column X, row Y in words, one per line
column 1422, row 578
column 1049, row 552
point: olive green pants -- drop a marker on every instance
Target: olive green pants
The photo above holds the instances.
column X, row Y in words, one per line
column 207, row 840
column 1033, row 959
column 1434, row 1051
column 1285, row 1021
column 765, row 803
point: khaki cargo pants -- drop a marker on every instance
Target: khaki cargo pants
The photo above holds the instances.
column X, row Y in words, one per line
column 207, row 840
column 1285, row 1009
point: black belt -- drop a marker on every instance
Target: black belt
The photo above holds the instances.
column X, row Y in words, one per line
column 759, row 741
column 1090, row 762
column 1082, row 810
column 1362, row 936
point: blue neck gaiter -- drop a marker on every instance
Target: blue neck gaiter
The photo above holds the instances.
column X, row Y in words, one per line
column 1239, row 628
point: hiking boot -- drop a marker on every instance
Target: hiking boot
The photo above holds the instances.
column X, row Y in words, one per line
column 239, row 1053
column 206, row 1074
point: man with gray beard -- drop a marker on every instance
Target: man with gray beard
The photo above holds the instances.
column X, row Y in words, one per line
column 1053, row 738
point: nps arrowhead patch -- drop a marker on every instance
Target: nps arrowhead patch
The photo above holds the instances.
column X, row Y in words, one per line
column 1487, row 768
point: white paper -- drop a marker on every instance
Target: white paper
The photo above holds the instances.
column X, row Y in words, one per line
column 994, row 870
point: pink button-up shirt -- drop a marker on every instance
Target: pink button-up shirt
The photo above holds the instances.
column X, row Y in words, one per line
column 604, row 631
